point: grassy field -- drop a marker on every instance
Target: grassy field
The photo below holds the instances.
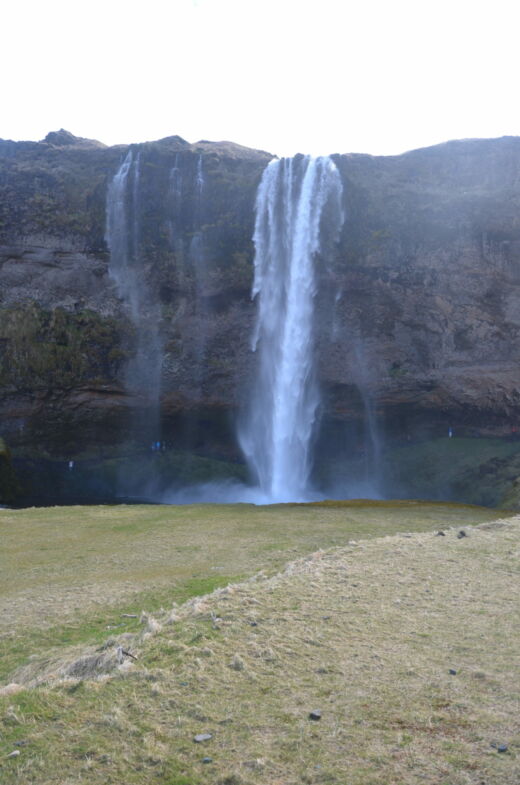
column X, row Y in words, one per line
column 365, row 631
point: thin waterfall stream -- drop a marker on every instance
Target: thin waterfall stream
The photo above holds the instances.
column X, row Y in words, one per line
column 127, row 269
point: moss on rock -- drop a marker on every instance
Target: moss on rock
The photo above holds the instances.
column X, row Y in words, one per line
column 511, row 499
column 56, row 348
column 9, row 485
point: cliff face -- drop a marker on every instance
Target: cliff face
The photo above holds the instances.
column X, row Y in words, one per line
column 429, row 274
column 66, row 335
column 417, row 312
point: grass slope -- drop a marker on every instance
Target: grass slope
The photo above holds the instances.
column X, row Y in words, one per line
column 367, row 633
column 60, row 561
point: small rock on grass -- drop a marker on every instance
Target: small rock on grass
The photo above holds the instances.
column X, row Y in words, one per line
column 14, row 754
column 499, row 747
column 461, row 534
column 200, row 737
column 452, row 672
column 315, row 715
column 207, row 760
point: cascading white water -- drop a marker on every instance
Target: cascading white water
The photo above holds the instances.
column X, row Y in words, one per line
column 277, row 437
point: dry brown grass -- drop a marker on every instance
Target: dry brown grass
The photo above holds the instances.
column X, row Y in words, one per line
column 366, row 633
column 58, row 562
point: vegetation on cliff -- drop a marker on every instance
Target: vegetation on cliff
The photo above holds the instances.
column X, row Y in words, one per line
column 54, row 190
column 42, row 349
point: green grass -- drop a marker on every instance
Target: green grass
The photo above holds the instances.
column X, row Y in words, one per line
column 94, row 629
column 56, row 563
column 366, row 632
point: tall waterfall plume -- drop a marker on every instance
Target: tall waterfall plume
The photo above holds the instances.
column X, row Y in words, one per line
column 278, row 433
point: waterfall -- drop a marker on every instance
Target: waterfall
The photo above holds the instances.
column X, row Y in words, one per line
column 365, row 479
column 176, row 184
column 373, row 448
column 126, row 268
column 135, row 218
column 371, row 438
column 117, row 234
column 200, row 178
column 277, row 436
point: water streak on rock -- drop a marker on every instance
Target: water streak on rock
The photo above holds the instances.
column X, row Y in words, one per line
column 127, row 268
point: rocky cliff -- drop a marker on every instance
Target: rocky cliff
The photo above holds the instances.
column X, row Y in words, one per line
column 418, row 306
column 429, row 274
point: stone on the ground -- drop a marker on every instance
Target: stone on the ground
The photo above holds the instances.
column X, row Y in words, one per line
column 200, row 737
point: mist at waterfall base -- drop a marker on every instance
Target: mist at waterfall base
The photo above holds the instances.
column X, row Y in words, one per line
column 298, row 210
column 232, row 492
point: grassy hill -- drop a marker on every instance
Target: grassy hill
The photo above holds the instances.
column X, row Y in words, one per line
column 365, row 630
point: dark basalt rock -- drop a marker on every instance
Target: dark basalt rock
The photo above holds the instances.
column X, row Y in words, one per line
column 418, row 304
column 10, row 488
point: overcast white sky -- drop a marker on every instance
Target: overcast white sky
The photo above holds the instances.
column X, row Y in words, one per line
column 287, row 76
